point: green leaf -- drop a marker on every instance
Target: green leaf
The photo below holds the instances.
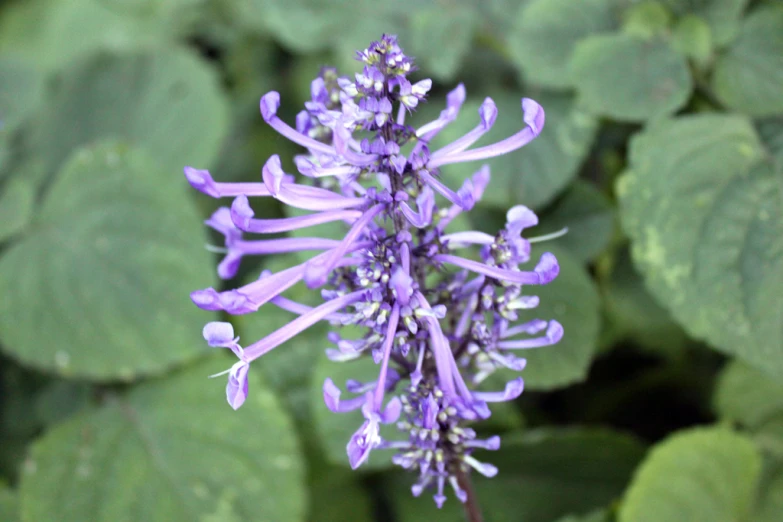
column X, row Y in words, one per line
column 9, row 505
column 629, row 78
column 164, row 100
column 36, row 29
column 61, row 399
column 705, row 221
column 99, row 288
column 546, row 32
column 589, row 217
column 21, row 90
column 17, row 204
column 693, row 38
column 632, row 314
column 771, row 132
column 596, row 516
column 430, row 30
column 770, row 502
column 699, row 475
column 337, row 495
column 170, row 449
column 334, row 430
column 544, row 474
column 748, row 396
column 303, row 26
column 647, row 19
column 722, row 16
column 748, row 77
column 573, row 300
column 535, row 174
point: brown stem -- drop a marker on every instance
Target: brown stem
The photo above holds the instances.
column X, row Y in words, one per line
column 472, row 509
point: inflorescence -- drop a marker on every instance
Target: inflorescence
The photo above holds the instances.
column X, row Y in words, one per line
column 435, row 323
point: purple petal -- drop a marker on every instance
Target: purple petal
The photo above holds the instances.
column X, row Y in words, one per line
column 553, row 335
column 519, row 277
column 430, row 411
column 332, row 400
column 270, row 102
column 300, row 324
column 533, row 117
column 402, row 286
column 229, row 266
column 463, row 239
column 456, row 198
column 392, row 411
column 219, row 334
column 513, row 390
column 530, row 328
column 520, row 217
column 361, row 443
column 488, row 112
column 547, row 268
column 488, row 470
column 317, row 270
column 220, row 220
column 236, row 389
column 492, row 443
column 202, row 181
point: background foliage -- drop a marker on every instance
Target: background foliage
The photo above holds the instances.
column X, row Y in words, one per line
column 663, row 154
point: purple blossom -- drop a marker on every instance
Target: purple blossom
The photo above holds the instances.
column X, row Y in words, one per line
column 439, row 311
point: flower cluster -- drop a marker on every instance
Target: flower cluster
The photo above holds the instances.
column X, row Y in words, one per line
column 436, row 323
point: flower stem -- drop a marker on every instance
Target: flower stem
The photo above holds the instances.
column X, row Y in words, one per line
column 472, row 509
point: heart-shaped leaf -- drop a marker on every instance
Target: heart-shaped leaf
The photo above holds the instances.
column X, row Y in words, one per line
column 169, row 450
column 99, row 288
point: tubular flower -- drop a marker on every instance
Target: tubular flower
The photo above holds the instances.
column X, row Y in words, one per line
column 440, row 311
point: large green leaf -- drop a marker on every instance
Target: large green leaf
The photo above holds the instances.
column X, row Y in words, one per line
column 596, row 516
column 633, row 315
column 770, row 502
column 301, row 25
column 629, row 78
column 589, row 217
column 749, row 76
column 703, row 210
column 544, row 474
column 99, row 288
column 748, row 396
column 169, row 450
column 546, row 32
column 771, row 132
column 700, row 475
column 17, row 204
column 336, row 495
column 9, row 505
column 37, row 30
column 21, row 90
column 535, row 174
column 165, row 100
column 722, row 16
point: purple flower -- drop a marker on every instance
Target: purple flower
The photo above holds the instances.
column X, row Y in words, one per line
column 436, row 320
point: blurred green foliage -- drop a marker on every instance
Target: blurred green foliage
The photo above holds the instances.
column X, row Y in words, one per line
column 662, row 153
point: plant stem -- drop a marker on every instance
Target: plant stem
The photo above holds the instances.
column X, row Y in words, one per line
column 472, row 510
